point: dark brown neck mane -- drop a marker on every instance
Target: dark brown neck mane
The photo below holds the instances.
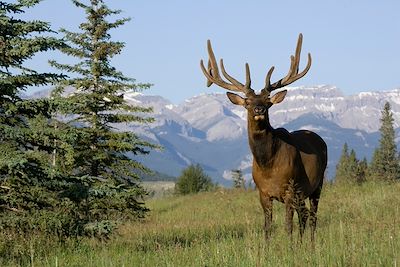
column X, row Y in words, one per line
column 262, row 140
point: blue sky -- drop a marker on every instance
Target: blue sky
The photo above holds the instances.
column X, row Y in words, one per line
column 355, row 45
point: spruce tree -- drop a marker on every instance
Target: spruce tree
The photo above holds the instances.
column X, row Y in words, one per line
column 349, row 169
column 352, row 167
column 362, row 171
column 25, row 132
column 103, row 169
column 342, row 165
column 385, row 163
column 238, row 179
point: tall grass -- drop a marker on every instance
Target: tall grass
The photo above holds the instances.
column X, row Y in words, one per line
column 357, row 226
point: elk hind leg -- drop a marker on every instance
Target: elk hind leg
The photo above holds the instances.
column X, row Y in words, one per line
column 314, row 199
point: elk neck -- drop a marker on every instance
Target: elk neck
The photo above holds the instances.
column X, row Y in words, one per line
column 261, row 140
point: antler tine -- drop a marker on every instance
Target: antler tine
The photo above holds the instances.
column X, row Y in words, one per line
column 244, row 88
column 228, row 77
column 248, row 80
column 213, row 75
column 209, row 69
column 265, row 90
column 294, row 61
column 293, row 73
column 217, row 80
column 304, row 72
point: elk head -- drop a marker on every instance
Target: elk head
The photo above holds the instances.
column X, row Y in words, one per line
column 257, row 105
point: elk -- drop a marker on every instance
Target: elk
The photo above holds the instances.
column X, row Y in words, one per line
column 287, row 166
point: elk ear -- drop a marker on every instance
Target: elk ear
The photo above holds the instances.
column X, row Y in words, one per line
column 278, row 97
column 236, row 99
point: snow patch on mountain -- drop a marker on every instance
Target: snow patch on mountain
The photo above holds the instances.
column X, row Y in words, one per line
column 240, row 113
column 209, row 130
column 185, row 159
column 325, row 108
column 170, row 106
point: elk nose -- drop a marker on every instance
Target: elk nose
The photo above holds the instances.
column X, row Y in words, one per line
column 259, row 110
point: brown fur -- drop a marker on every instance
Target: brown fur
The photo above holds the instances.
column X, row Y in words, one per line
column 288, row 167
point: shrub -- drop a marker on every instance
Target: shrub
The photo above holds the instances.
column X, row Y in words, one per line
column 193, row 180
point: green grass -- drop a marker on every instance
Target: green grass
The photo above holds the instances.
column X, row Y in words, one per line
column 357, row 226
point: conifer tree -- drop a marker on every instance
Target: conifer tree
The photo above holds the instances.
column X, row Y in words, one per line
column 25, row 135
column 362, row 171
column 342, row 165
column 238, row 179
column 106, row 176
column 385, row 163
column 349, row 169
column 352, row 168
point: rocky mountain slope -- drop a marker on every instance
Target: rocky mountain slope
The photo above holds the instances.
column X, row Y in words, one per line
column 209, row 130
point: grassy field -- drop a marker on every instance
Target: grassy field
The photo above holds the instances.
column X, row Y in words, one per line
column 358, row 226
column 159, row 189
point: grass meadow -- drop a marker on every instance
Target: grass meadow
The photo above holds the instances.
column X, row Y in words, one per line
column 357, row 226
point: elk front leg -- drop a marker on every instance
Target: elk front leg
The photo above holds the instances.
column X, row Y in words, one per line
column 289, row 218
column 266, row 203
column 289, row 204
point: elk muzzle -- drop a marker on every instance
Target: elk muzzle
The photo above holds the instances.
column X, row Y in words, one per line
column 259, row 113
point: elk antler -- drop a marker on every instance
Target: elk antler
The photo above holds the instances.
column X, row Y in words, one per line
column 213, row 76
column 293, row 74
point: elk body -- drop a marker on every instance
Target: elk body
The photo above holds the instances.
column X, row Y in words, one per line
column 287, row 166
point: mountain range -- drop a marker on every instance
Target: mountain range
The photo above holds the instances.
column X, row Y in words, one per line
column 210, row 131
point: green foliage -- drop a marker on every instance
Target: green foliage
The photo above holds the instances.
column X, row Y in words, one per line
column 193, row 180
column 385, row 161
column 349, row 169
column 71, row 177
column 238, row 179
column 362, row 169
column 341, row 167
column 101, row 177
column 354, row 168
column 27, row 190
